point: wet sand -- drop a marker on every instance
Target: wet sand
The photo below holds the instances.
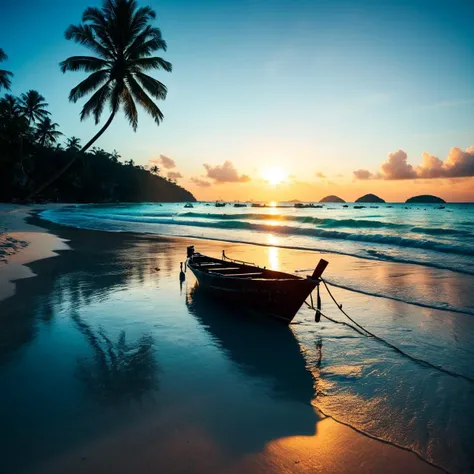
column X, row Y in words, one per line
column 109, row 366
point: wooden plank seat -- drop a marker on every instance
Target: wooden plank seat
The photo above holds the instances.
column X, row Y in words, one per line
column 220, row 269
column 236, row 275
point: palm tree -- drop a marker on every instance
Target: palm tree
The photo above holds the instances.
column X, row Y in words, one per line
column 9, row 106
column 46, row 132
column 33, row 106
column 5, row 76
column 123, row 41
column 73, row 143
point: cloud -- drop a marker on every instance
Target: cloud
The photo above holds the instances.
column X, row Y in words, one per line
column 396, row 167
column 225, row 173
column 201, row 182
column 174, row 175
column 363, row 174
column 163, row 161
column 431, row 167
column 458, row 164
column 320, row 175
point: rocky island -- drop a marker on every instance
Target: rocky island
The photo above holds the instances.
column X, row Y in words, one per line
column 425, row 199
column 332, row 198
column 369, row 198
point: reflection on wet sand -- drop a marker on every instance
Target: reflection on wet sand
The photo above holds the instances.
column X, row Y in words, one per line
column 269, row 358
column 259, row 346
column 118, row 370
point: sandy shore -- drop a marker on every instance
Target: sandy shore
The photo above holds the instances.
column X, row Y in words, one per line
column 26, row 243
column 195, row 427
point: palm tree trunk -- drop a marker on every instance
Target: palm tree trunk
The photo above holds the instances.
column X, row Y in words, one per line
column 73, row 159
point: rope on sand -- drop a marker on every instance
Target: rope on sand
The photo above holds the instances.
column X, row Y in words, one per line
column 365, row 332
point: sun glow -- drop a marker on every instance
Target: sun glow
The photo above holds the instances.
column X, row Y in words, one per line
column 274, row 175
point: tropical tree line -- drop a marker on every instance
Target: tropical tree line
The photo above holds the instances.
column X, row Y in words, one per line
column 32, row 149
column 33, row 162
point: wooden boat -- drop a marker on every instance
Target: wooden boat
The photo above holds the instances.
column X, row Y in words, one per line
column 276, row 294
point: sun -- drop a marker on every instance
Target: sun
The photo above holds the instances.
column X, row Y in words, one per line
column 274, row 175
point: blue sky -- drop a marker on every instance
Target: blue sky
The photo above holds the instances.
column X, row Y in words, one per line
column 327, row 86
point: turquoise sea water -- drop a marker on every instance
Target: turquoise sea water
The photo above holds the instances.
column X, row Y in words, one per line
column 424, row 234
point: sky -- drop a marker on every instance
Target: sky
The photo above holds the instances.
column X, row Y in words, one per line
column 283, row 99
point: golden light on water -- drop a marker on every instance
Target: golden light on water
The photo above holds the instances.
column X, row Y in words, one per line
column 274, row 175
column 273, row 258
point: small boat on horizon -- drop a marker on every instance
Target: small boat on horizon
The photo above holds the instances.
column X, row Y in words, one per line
column 300, row 205
column 220, row 204
column 269, row 292
column 188, row 205
column 240, row 204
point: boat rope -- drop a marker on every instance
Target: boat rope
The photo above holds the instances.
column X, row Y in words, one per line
column 343, row 312
column 367, row 333
column 325, row 316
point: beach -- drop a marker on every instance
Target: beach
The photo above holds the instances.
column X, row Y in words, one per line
column 108, row 364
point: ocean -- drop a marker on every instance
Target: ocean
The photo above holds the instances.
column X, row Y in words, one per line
column 426, row 235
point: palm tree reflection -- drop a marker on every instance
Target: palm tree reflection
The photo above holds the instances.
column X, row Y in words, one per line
column 118, row 370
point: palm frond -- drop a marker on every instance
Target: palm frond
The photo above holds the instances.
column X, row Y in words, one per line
column 151, row 63
column 147, row 42
column 116, row 95
column 130, row 108
column 151, row 85
column 84, row 35
column 98, row 22
column 95, row 80
column 96, row 103
column 5, row 80
column 3, row 55
column 139, row 21
column 144, row 100
column 83, row 63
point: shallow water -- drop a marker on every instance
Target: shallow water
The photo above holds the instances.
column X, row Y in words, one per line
column 431, row 237
column 107, row 335
column 428, row 234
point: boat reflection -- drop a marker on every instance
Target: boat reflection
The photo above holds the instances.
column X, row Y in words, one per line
column 278, row 388
column 259, row 346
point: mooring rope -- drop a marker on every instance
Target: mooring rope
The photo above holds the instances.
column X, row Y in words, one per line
column 367, row 333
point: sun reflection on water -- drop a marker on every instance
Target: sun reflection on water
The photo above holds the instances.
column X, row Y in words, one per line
column 273, row 258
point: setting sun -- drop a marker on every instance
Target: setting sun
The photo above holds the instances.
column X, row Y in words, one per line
column 274, row 175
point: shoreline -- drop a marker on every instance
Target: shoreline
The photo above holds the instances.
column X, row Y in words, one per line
column 384, row 454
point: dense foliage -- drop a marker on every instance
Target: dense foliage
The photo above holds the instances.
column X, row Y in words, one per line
column 30, row 153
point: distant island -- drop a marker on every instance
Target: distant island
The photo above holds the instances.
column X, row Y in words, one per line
column 332, row 198
column 369, row 198
column 425, row 199
column 293, row 201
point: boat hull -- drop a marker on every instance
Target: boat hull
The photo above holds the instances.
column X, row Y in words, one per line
column 280, row 298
